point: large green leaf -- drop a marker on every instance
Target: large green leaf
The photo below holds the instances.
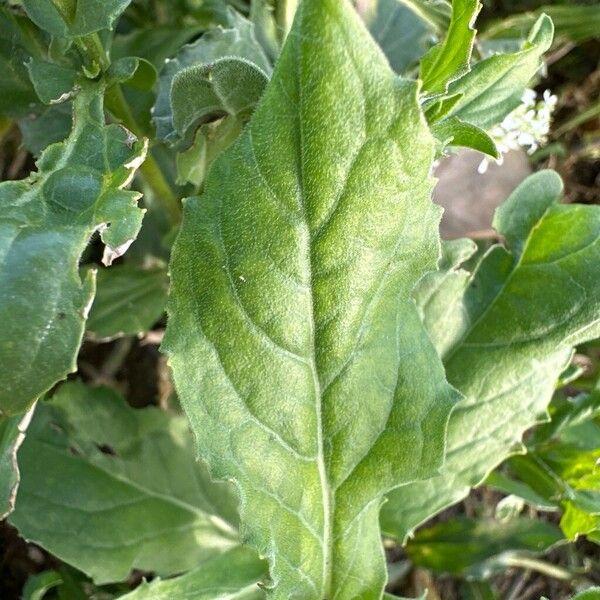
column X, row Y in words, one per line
column 232, row 575
column 12, row 434
column 46, row 222
column 108, row 488
column 479, row 548
column 296, row 347
column 506, row 336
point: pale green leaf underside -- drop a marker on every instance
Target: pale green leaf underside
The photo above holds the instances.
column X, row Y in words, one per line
column 505, row 334
column 232, row 575
column 46, row 222
column 296, row 346
column 108, row 488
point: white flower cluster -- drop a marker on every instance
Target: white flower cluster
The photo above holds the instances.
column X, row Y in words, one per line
column 525, row 127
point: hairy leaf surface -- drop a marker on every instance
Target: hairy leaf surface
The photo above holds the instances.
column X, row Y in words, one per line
column 235, row 42
column 12, row 434
column 506, row 336
column 108, row 488
column 46, row 222
column 296, row 346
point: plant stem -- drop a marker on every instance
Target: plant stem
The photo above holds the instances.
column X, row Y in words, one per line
column 117, row 104
column 93, row 50
column 540, row 566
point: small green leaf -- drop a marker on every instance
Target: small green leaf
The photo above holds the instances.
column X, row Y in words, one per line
column 74, row 19
column 46, row 222
column 479, row 548
column 237, row 42
column 129, row 301
column 136, row 72
column 52, row 83
column 225, row 87
column 494, row 87
column 502, row 483
column 512, row 331
column 454, row 132
column 450, row 59
column 12, row 434
column 107, row 488
column 295, row 343
column 233, row 575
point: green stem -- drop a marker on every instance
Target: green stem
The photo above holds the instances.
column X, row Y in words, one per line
column 117, row 104
column 94, row 52
column 540, row 566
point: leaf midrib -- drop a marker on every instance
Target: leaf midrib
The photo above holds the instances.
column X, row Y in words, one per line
column 326, row 492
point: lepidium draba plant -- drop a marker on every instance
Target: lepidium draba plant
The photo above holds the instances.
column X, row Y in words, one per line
column 332, row 356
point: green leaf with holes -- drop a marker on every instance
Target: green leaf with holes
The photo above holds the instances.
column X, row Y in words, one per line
column 46, row 222
column 505, row 334
column 108, row 488
column 296, row 346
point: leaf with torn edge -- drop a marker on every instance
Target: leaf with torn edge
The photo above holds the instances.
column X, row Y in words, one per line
column 512, row 327
column 46, row 222
column 297, row 350
column 108, row 488
column 12, row 434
